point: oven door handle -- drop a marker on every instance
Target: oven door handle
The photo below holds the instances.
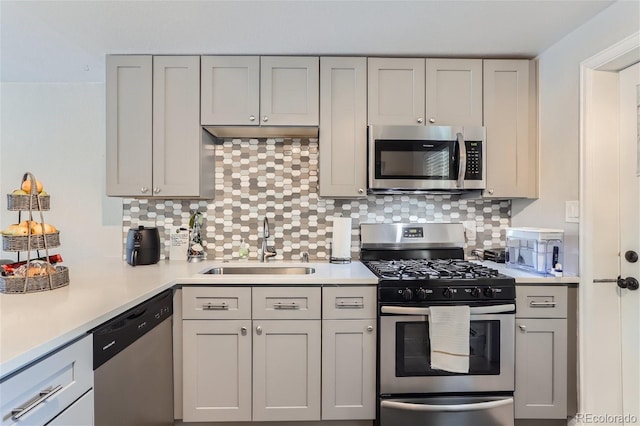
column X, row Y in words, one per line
column 408, row 406
column 475, row 310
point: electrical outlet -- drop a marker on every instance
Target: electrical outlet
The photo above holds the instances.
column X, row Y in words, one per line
column 469, row 229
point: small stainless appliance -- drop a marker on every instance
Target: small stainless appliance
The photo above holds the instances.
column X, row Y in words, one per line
column 143, row 246
column 133, row 366
column 426, row 158
column 420, row 266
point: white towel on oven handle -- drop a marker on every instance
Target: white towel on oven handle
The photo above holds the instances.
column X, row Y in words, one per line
column 449, row 338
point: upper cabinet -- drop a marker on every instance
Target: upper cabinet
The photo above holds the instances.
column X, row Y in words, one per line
column 153, row 128
column 396, row 91
column 129, row 125
column 454, row 92
column 405, row 91
column 343, row 127
column 230, row 90
column 510, row 117
column 254, row 90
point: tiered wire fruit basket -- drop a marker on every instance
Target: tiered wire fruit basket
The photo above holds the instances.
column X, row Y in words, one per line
column 36, row 274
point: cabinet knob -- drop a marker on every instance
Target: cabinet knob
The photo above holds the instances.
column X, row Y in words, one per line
column 243, row 331
column 360, row 191
column 522, row 327
column 144, row 190
column 265, row 118
column 252, row 118
column 370, row 328
column 490, row 191
column 420, row 120
column 258, row 330
column 432, row 120
column 156, row 190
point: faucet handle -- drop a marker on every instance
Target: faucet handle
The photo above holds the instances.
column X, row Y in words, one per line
column 305, row 257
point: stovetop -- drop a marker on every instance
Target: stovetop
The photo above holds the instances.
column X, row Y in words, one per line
column 440, row 281
column 424, row 269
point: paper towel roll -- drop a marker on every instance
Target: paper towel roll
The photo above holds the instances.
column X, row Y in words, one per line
column 341, row 239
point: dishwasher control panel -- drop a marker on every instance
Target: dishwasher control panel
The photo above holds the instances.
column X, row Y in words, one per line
column 121, row 331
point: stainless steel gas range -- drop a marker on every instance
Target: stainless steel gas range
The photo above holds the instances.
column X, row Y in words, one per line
column 420, row 266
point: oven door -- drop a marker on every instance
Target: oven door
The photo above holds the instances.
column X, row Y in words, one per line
column 405, row 360
column 447, row 411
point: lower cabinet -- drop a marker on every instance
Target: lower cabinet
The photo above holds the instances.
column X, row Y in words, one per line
column 286, row 370
column 80, row 413
column 278, row 353
column 541, row 353
column 348, row 369
column 216, row 370
column 55, row 390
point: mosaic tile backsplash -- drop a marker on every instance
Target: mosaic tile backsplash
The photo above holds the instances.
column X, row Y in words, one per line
column 277, row 178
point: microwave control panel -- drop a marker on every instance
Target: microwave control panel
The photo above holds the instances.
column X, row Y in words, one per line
column 474, row 160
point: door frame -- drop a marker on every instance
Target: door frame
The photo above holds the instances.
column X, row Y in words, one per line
column 616, row 57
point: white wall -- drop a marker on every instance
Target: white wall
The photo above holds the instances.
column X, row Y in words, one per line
column 559, row 109
column 56, row 132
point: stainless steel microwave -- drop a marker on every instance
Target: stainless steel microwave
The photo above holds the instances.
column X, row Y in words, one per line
column 426, row 158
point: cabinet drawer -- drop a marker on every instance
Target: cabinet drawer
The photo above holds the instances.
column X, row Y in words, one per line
column 48, row 387
column 541, row 302
column 216, row 303
column 286, row 302
column 349, row 302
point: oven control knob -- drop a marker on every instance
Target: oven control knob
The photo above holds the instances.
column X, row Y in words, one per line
column 448, row 293
column 422, row 294
column 407, row 294
column 489, row 292
column 475, row 292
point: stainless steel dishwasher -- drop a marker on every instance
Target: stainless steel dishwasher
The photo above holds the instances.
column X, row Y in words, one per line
column 133, row 366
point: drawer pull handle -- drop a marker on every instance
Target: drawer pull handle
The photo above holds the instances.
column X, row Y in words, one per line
column 542, row 304
column 16, row 413
column 282, row 305
column 349, row 305
column 211, row 307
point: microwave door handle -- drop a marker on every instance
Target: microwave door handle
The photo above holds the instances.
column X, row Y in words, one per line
column 408, row 406
column 474, row 310
column 462, row 157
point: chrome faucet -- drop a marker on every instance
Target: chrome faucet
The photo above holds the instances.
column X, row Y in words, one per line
column 267, row 251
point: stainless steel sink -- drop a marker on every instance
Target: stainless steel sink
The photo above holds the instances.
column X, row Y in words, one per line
column 260, row 270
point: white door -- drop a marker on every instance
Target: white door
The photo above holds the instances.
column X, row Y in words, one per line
column 629, row 95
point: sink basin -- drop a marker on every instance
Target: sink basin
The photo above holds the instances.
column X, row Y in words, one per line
column 260, row 270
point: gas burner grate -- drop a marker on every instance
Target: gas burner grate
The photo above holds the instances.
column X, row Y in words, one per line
column 422, row 269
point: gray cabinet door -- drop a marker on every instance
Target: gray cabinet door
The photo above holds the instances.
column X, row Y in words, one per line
column 286, row 370
column 216, row 370
column 454, row 92
column 129, row 125
column 230, row 90
column 509, row 117
column 541, row 368
column 343, row 127
column 176, row 126
column 289, row 90
column 349, row 369
column 396, row 89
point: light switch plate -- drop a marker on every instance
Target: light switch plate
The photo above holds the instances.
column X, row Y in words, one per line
column 572, row 211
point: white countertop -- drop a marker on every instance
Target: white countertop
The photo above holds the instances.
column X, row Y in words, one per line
column 525, row 277
column 34, row 324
